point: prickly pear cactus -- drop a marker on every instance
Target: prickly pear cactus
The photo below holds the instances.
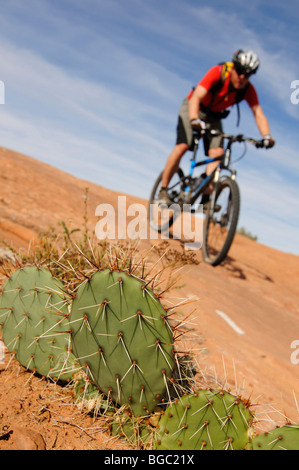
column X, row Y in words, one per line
column 121, row 336
column 207, row 420
column 284, row 438
column 33, row 317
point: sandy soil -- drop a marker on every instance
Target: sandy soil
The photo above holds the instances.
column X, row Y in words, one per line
column 256, row 287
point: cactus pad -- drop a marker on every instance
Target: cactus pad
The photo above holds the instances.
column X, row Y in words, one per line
column 284, row 438
column 207, row 420
column 121, row 336
column 33, row 316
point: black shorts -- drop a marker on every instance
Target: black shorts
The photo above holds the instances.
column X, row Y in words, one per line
column 185, row 131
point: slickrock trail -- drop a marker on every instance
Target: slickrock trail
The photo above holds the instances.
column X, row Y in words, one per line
column 242, row 327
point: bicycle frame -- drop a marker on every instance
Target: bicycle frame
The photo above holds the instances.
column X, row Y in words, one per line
column 225, row 158
column 224, row 162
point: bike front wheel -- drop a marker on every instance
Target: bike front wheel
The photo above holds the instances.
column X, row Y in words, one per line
column 161, row 217
column 221, row 222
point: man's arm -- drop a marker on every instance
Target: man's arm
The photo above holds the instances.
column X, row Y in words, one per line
column 261, row 120
column 198, row 94
column 263, row 125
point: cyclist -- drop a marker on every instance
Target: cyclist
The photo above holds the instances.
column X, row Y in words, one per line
column 205, row 107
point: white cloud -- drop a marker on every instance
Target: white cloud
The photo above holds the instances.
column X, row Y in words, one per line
column 55, row 99
column 270, row 207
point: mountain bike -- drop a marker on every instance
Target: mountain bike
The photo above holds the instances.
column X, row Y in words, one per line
column 222, row 210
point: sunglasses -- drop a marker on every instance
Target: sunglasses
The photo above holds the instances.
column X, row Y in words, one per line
column 241, row 71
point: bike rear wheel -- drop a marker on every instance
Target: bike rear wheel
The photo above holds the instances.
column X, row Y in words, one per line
column 221, row 222
column 160, row 216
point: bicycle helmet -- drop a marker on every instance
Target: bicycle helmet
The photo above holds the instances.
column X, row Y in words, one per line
column 246, row 62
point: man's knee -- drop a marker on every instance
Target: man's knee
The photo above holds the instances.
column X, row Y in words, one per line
column 215, row 152
column 182, row 148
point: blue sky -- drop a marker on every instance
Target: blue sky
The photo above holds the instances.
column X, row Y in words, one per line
column 94, row 88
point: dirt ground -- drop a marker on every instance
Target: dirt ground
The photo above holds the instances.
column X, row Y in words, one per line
column 36, row 414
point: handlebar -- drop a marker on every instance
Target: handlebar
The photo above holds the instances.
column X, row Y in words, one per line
column 236, row 138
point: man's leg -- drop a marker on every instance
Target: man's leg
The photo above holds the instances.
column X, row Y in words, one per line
column 213, row 153
column 213, row 144
column 173, row 162
column 184, row 140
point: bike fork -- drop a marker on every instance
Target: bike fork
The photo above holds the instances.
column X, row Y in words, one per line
column 213, row 194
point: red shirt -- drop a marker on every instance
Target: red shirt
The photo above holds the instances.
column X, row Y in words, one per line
column 225, row 97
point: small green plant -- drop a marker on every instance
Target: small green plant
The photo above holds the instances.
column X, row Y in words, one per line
column 89, row 398
column 135, row 430
column 246, row 233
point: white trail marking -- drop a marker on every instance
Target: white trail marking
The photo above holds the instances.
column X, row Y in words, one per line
column 230, row 322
